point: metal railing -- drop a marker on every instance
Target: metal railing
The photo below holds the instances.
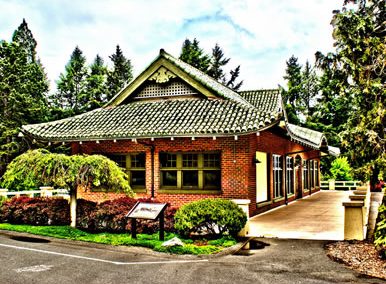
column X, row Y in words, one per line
column 340, row 185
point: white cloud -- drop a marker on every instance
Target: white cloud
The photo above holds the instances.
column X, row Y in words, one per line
column 258, row 35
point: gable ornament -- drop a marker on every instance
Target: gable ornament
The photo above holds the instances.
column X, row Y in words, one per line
column 162, row 75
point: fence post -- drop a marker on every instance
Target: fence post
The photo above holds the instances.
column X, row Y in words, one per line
column 3, row 192
column 46, row 191
column 331, row 184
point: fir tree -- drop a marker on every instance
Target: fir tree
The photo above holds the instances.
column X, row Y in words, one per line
column 71, row 97
column 23, row 36
column 212, row 65
column 194, row 55
column 96, row 84
column 23, row 87
column 120, row 75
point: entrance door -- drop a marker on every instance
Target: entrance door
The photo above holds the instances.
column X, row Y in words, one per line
column 261, row 177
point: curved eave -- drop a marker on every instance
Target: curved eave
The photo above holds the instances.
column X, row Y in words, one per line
column 322, row 145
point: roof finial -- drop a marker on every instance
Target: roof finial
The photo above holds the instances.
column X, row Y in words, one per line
column 162, row 51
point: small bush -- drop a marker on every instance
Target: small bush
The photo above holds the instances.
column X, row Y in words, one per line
column 380, row 232
column 35, row 211
column 341, row 169
column 212, row 217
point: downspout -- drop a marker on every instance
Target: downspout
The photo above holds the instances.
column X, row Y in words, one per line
column 152, row 150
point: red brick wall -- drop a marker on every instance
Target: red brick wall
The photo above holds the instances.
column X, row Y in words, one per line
column 238, row 172
column 235, row 162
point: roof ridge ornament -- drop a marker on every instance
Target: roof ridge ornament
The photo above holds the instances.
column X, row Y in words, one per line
column 162, row 75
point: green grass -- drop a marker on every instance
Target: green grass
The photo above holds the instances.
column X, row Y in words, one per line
column 143, row 240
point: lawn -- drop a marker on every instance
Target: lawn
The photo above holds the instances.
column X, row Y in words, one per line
column 150, row 241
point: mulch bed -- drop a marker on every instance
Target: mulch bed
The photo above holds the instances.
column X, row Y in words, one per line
column 360, row 256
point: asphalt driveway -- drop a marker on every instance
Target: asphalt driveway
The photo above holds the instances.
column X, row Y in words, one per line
column 63, row 261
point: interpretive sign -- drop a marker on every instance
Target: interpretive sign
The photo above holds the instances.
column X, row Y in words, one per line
column 150, row 211
column 146, row 210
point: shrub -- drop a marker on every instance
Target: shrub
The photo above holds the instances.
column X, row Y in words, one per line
column 380, row 232
column 341, row 169
column 212, row 217
column 35, row 211
column 110, row 216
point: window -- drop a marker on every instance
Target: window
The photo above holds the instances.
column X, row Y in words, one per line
column 137, row 170
column 190, row 171
column 134, row 165
column 305, row 175
column 289, row 175
column 277, row 176
column 311, row 173
column 316, row 175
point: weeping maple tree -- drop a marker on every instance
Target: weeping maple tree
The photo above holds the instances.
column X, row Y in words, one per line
column 41, row 168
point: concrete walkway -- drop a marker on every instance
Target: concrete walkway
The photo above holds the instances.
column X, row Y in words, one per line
column 318, row 217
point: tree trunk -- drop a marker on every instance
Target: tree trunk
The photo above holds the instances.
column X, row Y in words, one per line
column 374, row 177
column 73, row 207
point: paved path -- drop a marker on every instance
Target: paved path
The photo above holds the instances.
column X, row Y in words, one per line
column 318, row 217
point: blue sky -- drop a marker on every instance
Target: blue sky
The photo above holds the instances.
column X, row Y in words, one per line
column 260, row 35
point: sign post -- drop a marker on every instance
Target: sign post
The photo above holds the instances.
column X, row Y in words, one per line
column 150, row 211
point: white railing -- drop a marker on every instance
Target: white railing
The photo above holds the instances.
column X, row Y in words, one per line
column 44, row 191
column 340, row 185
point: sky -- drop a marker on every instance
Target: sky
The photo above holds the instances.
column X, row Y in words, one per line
column 259, row 35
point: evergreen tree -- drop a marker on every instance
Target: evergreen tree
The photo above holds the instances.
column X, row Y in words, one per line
column 212, row 65
column 360, row 57
column 71, row 97
column 231, row 83
column 194, row 55
column 217, row 63
column 309, row 90
column 96, row 84
column 294, row 81
column 120, row 75
column 291, row 96
column 23, row 87
column 23, row 36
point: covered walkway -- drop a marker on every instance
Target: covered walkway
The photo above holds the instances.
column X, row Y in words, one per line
column 318, row 217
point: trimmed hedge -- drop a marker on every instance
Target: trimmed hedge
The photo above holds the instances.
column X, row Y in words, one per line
column 211, row 217
column 35, row 211
column 380, row 232
column 108, row 216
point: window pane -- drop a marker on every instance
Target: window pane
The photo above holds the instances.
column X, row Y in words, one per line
column 212, row 179
column 138, row 178
column 190, row 178
column 169, row 178
column 212, row 160
column 190, row 160
column 138, row 160
column 168, row 160
column 119, row 159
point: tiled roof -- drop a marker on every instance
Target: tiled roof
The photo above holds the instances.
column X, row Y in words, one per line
column 312, row 138
column 267, row 100
column 166, row 118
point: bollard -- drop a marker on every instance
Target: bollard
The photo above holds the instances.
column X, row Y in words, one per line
column 354, row 226
column 244, row 205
